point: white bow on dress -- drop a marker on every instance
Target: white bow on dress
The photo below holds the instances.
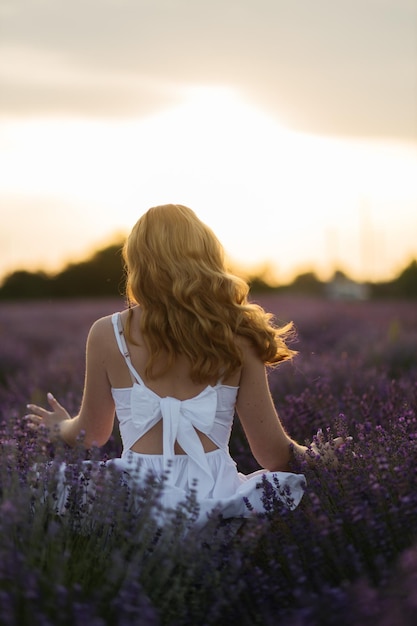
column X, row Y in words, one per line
column 180, row 419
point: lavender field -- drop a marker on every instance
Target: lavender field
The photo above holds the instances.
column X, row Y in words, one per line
column 347, row 555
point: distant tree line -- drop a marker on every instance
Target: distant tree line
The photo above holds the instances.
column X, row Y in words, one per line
column 403, row 286
column 103, row 275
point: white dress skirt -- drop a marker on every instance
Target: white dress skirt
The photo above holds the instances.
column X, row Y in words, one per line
column 232, row 494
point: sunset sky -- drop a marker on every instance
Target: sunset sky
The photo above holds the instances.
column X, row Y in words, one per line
column 290, row 127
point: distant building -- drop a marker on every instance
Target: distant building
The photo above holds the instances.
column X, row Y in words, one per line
column 340, row 287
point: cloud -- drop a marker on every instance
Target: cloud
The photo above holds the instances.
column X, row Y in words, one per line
column 342, row 68
column 42, row 82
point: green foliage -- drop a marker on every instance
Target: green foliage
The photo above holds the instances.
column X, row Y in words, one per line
column 23, row 284
column 404, row 286
column 308, row 284
column 102, row 275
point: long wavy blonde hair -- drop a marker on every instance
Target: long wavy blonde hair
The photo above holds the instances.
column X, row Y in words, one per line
column 190, row 304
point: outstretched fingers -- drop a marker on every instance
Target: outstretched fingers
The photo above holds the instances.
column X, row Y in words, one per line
column 38, row 417
column 53, row 401
column 37, row 412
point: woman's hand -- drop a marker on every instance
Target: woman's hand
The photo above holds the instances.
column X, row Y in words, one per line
column 322, row 450
column 49, row 420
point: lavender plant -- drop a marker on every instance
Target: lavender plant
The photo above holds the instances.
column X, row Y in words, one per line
column 346, row 555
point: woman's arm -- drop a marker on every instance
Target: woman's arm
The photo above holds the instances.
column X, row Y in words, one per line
column 268, row 441
column 271, row 446
column 96, row 416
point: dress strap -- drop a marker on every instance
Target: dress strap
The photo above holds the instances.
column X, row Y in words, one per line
column 121, row 342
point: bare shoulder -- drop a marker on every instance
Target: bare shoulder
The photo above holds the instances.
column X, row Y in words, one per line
column 101, row 329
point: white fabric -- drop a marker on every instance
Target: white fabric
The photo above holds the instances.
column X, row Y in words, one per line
column 213, row 475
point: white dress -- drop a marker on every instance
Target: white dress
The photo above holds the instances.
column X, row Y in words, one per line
column 213, row 476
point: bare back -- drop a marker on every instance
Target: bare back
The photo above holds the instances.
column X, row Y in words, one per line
column 175, row 382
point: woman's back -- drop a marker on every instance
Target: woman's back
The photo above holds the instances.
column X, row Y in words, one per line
column 174, row 382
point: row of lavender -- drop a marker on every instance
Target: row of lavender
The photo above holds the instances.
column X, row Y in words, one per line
column 346, row 555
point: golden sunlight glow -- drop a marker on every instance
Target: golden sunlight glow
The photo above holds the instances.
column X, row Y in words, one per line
column 300, row 202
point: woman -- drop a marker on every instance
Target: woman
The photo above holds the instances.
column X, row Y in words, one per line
column 174, row 366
